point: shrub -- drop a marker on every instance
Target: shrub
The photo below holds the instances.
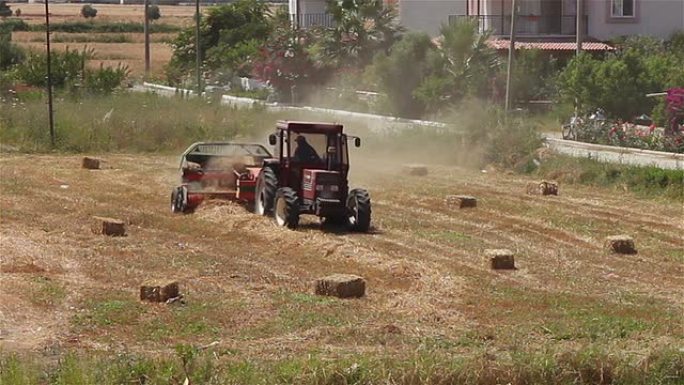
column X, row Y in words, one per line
column 88, row 11
column 10, row 54
column 11, row 25
column 5, row 9
column 113, row 27
column 153, row 13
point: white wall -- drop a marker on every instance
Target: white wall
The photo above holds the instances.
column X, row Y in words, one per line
column 658, row 18
column 307, row 6
column 429, row 15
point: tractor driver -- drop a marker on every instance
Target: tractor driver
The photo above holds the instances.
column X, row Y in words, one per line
column 304, row 152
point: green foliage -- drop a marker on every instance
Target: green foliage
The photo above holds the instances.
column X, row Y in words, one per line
column 92, row 38
column 648, row 181
column 533, row 75
column 361, row 29
column 11, row 25
column 465, row 66
column 10, row 54
column 153, row 13
column 103, row 27
column 67, row 68
column 5, row 9
column 124, row 122
column 88, row 11
column 284, row 60
column 106, row 79
column 69, row 71
column 399, row 73
column 589, row 364
column 619, row 82
column 230, row 37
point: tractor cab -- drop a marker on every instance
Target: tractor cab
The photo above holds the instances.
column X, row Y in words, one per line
column 309, row 176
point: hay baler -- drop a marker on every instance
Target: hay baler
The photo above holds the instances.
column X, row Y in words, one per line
column 219, row 170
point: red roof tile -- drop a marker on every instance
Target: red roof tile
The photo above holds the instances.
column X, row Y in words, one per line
column 550, row 46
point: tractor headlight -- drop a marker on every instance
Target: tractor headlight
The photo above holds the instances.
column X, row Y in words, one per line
column 319, row 187
column 334, row 188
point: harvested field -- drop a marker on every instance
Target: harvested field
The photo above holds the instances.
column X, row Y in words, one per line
column 35, row 13
column 247, row 285
column 110, row 48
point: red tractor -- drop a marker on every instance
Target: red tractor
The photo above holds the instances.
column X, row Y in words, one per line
column 307, row 175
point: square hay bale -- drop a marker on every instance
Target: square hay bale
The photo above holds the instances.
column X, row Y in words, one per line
column 501, row 259
column 462, row 201
column 159, row 293
column 542, row 188
column 416, row 170
column 90, row 163
column 620, row 244
column 341, row 286
column 110, row 226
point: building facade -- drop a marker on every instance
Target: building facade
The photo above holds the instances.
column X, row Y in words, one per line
column 537, row 19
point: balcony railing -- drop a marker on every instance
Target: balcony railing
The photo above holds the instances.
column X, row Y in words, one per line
column 311, row 20
column 561, row 25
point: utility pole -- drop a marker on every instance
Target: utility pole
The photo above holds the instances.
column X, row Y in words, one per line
column 146, row 27
column 51, row 121
column 580, row 25
column 198, row 60
column 511, row 56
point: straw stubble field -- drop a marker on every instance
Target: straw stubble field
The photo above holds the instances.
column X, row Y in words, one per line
column 248, row 285
column 110, row 48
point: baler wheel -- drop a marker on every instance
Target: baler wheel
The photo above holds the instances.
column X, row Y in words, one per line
column 359, row 210
column 287, row 208
column 179, row 200
column 266, row 191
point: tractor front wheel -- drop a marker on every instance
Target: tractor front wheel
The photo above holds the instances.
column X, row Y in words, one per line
column 359, row 210
column 287, row 208
column 265, row 192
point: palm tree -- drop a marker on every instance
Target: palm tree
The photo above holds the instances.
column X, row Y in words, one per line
column 361, row 29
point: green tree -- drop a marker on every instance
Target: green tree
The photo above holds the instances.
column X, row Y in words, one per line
column 465, row 66
column 5, row 9
column 284, row 60
column 153, row 13
column 88, row 11
column 361, row 29
column 619, row 81
column 230, row 36
column 533, row 75
column 399, row 73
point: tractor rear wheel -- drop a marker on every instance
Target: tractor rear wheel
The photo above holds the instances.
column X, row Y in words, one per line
column 265, row 192
column 359, row 210
column 287, row 208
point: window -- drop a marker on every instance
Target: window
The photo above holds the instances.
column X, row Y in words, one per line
column 622, row 8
